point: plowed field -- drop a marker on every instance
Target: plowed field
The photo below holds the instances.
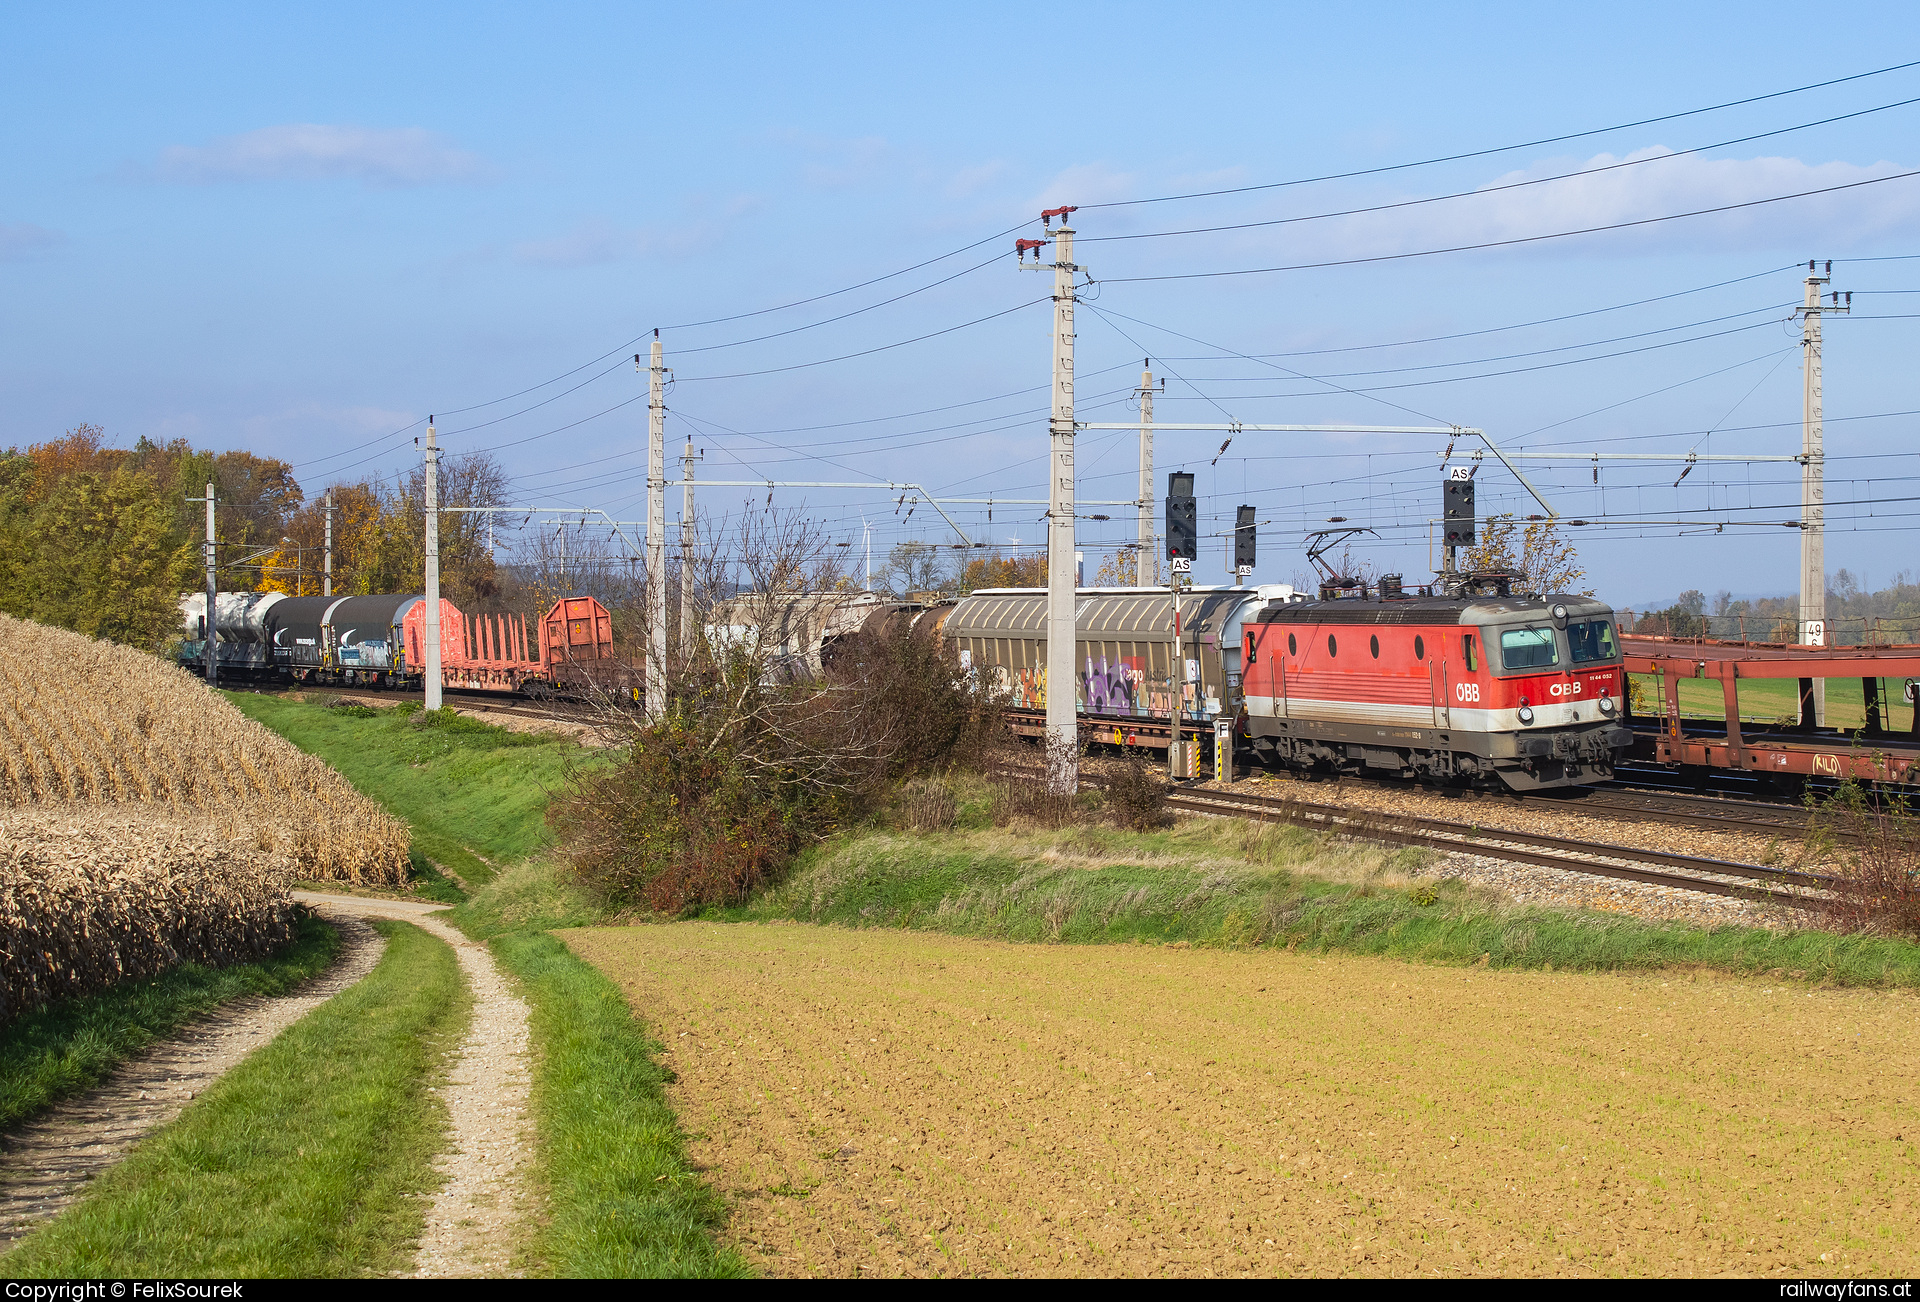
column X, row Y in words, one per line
column 902, row 1103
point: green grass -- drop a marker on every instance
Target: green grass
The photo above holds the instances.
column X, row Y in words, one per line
column 474, row 794
column 611, row 1158
column 1763, row 700
column 1229, row 883
column 623, row 1200
column 311, row 1158
column 72, row 1044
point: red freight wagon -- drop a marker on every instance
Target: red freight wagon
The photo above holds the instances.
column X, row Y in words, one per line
column 1520, row 690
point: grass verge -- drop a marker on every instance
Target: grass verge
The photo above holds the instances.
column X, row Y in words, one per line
column 73, row 1044
column 474, row 794
column 623, row 1199
column 311, row 1158
column 1224, row 882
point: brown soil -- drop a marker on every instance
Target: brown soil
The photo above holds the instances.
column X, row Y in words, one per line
column 904, row 1104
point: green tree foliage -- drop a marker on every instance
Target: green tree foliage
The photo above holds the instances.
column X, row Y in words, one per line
column 108, row 562
column 104, row 540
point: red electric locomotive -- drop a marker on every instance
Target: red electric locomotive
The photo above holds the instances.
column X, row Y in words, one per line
column 1470, row 684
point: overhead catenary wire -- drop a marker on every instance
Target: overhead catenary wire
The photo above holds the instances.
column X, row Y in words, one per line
column 1480, row 191
column 1514, row 241
column 1505, row 149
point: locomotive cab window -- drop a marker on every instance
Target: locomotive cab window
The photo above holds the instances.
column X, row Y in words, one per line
column 1467, row 653
column 1373, row 645
column 1419, row 647
column 1528, row 648
column 1591, row 640
column 1252, row 656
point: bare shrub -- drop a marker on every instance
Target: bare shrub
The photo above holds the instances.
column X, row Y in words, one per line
column 765, row 747
column 1137, row 796
column 1871, row 844
column 91, row 896
column 94, row 723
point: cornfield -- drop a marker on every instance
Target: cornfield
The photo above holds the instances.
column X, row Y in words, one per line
column 91, row 723
column 92, row 895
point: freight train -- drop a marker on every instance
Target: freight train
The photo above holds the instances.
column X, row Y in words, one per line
column 379, row 641
column 1466, row 682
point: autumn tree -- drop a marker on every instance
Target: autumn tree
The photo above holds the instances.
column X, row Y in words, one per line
column 98, row 554
column 997, row 571
column 1545, row 559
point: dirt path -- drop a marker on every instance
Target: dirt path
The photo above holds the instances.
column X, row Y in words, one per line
column 46, row 1163
column 878, row 1102
column 473, row 1226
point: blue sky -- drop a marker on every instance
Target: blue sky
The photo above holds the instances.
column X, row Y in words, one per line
column 301, row 232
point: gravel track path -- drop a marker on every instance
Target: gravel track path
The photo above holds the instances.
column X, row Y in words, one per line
column 471, row 1227
column 46, row 1163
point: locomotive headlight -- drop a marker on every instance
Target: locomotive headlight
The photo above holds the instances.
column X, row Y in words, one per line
column 1526, row 714
column 1559, row 611
column 1606, row 705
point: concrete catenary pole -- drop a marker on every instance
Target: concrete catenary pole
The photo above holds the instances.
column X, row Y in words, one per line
column 656, row 676
column 688, row 535
column 213, row 597
column 326, row 577
column 1146, row 565
column 1813, row 490
column 1063, row 724
column 432, row 513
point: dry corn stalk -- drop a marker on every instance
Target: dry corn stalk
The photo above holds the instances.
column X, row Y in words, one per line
column 93, row 895
column 91, row 722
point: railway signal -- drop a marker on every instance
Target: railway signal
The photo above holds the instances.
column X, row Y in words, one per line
column 1243, row 542
column 1183, row 520
column 1458, row 501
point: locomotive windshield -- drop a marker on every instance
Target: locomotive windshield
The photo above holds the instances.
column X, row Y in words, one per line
column 1591, row 640
column 1528, row 648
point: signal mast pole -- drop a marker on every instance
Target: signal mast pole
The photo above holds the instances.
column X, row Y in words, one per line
column 687, row 537
column 326, row 578
column 656, row 677
column 1063, row 723
column 1813, row 491
column 1146, row 566
column 433, row 568
column 213, row 596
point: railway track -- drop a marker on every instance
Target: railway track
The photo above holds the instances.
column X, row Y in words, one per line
column 1595, row 858
column 1567, row 854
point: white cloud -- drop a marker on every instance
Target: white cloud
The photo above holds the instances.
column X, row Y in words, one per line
column 595, row 240
column 376, row 156
column 1666, row 184
column 22, row 240
column 1084, row 183
column 835, row 163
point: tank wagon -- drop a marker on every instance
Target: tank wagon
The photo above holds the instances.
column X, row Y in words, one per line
column 1134, row 667
column 379, row 640
column 1480, row 687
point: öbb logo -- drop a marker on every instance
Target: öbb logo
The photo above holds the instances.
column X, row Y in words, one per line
column 1467, row 691
column 1564, row 689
